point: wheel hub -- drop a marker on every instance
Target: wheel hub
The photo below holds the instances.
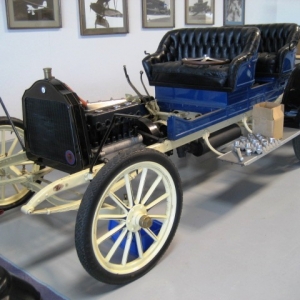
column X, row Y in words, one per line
column 138, row 218
column 145, row 221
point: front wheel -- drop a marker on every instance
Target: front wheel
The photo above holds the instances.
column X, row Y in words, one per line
column 13, row 194
column 128, row 216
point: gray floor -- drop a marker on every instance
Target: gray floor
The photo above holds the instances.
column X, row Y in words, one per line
column 238, row 238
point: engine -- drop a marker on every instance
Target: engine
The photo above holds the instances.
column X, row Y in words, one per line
column 99, row 120
column 61, row 133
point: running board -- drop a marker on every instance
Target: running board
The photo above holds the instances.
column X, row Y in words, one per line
column 232, row 157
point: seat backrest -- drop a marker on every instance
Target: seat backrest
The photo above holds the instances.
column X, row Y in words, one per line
column 276, row 51
column 291, row 93
column 215, row 42
column 275, row 36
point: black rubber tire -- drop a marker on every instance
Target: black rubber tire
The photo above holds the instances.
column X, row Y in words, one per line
column 88, row 209
column 19, row 125
column 296, row 146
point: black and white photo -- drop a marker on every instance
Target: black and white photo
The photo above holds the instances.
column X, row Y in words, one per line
column 234, row 12
column 199, row 12
column 157, row 13
column 24, row 14
column 103, row 17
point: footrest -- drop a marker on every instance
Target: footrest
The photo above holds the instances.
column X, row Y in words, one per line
column 232, row 157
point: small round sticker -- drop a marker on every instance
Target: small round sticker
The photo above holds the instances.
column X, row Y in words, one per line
column 70, row 157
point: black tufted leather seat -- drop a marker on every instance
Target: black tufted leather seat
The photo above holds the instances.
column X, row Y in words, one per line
column 238, row 44
column 275, row 56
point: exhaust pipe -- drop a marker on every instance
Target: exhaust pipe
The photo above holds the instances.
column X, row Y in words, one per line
column 216, row 139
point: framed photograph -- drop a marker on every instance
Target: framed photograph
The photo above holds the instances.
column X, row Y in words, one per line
column 158, row 14
column 23, row 14
column 199, row 12
column 103, row 17
column 234, row 12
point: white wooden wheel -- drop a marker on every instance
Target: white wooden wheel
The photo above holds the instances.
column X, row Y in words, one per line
column 13, row 193
column 128, row 216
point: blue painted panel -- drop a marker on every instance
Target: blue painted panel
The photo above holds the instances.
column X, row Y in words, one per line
column 214, row 106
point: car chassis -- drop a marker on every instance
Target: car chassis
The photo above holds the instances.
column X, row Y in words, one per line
column 131, row 208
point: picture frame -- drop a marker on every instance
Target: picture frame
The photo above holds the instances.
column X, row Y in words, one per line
column 103, row 18
column 33, row 14
column 158, row 14
column 234, row 12
column 199, row 12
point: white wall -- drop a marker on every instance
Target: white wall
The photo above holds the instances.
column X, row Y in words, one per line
column 93, row 65
column 288, row 10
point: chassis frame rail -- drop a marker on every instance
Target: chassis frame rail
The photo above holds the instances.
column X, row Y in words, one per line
column 49, row 193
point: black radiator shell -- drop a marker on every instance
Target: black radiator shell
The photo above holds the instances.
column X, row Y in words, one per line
column 55, row 127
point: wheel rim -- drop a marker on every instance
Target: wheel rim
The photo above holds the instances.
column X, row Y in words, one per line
column 12, row 193
column 134, row 217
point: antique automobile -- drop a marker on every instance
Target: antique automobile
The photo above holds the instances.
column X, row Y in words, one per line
column 113, row 156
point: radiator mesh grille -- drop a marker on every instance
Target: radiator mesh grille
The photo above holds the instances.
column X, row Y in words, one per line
column 49, row 130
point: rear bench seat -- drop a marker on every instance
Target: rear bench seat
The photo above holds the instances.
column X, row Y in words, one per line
column 277, row 47
column 239, row 45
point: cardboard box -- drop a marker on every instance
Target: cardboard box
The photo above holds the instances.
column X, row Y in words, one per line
column 268, row 119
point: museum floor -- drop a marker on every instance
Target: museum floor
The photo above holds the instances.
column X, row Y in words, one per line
column 238, row 238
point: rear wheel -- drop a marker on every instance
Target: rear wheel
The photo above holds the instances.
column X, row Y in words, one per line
column 13, row 194
column 128, row 216
column 296, row 146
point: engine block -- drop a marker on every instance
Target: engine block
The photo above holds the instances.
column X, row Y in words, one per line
column 99, row 120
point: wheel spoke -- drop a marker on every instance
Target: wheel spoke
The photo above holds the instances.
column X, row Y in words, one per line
column 139, row 244
column 14, row 171
column 3, row 192
column 120, row 183
column 111, row 217
column 116, row 245
column 16, row 188
column 151, row 190
column 127, row 248
column 151, row 234
column 12, row 147
column 158, row 217
column 158, row 200
column 109, row 211
column 110, row 233
column 118, row 201
column 3, row 142
column 141, row 186
column 128, row 190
